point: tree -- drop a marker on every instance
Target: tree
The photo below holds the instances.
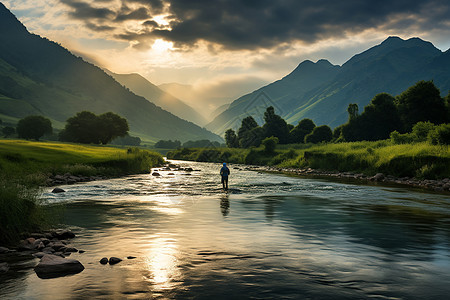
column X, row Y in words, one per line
column 8, row 131
column 82, row 128
column 34, row 127
column 252, row 138
column 378, row 120
column 275, row 126
column 249, row 134
column 87, row 128
column 231, row 139
column 112, row 126
column 440, row 135
column 270, row 144
column 421, row 102
column 247, row 125
column 298, row 133
column 319, row 134
column 169, row 144
column 352, row 110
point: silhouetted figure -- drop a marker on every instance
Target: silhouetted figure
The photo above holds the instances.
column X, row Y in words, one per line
column 224, row 172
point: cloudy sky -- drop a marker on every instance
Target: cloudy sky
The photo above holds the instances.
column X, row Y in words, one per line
column 227, row 47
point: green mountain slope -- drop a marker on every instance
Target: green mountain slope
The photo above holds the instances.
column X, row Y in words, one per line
column 290, row 92
column 40, row 76
column 142, row 87
column 323, row 93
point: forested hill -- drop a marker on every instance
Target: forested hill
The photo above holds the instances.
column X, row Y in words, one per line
column 38, row 76
column 322, row 92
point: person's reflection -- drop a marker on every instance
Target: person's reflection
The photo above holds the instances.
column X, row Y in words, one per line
column 224, row 205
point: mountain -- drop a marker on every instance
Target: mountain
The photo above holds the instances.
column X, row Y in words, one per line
column 142, row 87
column 322, row 92
column 38, row 76
column 283, row 95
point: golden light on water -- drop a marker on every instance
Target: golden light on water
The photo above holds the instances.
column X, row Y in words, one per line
column 162, row 263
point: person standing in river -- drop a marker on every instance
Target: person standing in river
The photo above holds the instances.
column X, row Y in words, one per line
column 224, row 172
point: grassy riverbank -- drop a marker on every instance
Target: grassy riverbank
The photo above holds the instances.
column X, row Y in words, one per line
column 420, row 160
column 25, row 166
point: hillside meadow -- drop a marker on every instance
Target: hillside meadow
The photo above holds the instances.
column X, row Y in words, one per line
column 25, row 166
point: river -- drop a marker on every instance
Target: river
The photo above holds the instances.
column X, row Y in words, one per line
column 273, row 236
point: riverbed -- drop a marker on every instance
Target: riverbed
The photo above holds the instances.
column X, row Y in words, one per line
column 271, row 236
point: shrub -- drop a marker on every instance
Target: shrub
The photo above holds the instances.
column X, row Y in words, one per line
column 319, row 134
column 440, row 135
column 270, row 144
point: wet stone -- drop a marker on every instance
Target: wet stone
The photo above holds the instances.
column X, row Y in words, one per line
column 104, row 260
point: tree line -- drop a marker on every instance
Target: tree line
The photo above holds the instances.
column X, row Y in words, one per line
column 383, row 117
column 85, row 127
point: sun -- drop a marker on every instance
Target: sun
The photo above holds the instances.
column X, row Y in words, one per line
column 161, row 46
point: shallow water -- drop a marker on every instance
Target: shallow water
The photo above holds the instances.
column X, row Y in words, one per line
column 273, row 236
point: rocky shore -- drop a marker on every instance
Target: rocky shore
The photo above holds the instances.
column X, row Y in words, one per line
column 68, row 178
column 442, row 185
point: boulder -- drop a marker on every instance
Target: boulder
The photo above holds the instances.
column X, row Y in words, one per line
column 58, row 190
column 52, row 266
column 4, row 267
column 378, row 177
column 62, row 234
column 71, row 249
column 81, row 251
column 131, row 257
column 114, row 260
column 156, row 174
column 104, row 260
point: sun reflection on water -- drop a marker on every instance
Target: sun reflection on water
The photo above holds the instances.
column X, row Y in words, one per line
column 162, row 263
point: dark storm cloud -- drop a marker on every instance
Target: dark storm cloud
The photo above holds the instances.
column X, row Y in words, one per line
column 84, row 11
column 138, row 14
column 252, row 24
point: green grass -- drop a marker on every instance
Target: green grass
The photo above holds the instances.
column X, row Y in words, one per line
column 421, row 160
column 25, row 166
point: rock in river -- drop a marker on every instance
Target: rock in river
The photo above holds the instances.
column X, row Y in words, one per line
column 52, row 266
column 58, row 190
column 104, row 260
column 114, row 260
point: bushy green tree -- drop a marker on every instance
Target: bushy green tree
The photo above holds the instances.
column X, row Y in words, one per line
column 298, row 133
column 168, row 144
column 275, row 126
column 378, row 120
column 421, row 130
column 353, row 111
column 270, row 144
column 440, row 135
column 319, row 134
column 231, row 139
column 112, row 126
column 87, row 128
column 8, row 131
column 34, row 127
column 249, row 134
column 421, row 102
column 252, row 138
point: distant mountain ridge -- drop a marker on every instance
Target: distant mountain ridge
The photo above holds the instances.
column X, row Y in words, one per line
column 38, row 76
column 142, row 87
column 321, row 91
